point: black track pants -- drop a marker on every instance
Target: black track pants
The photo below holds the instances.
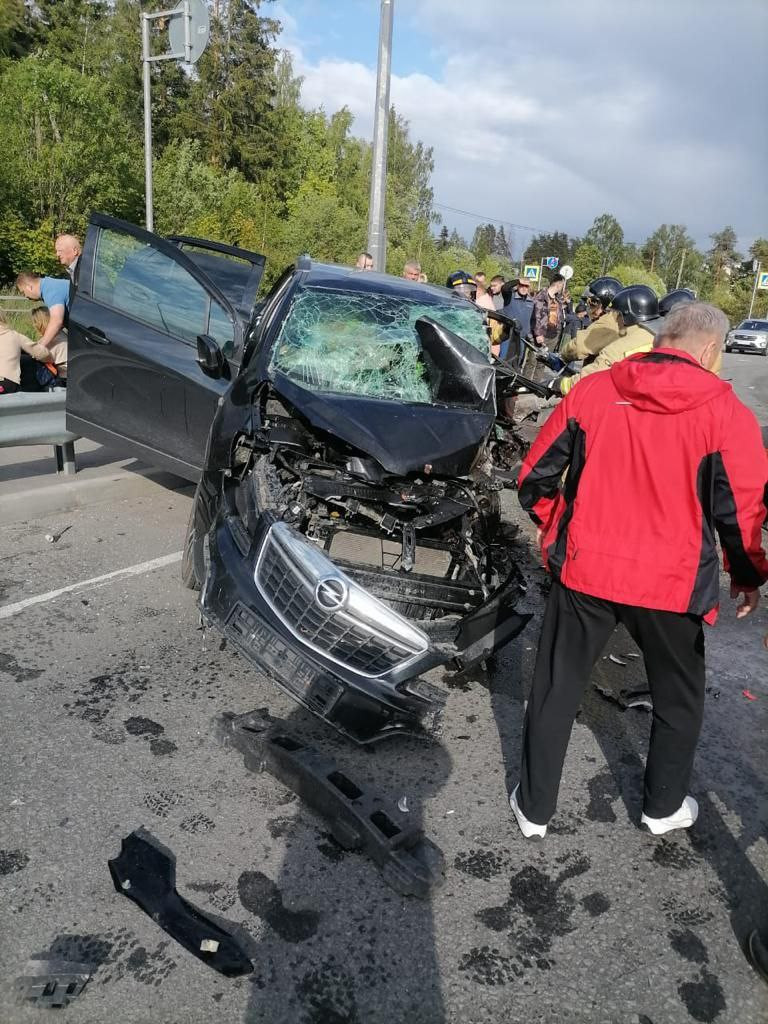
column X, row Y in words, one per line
column 575, row 630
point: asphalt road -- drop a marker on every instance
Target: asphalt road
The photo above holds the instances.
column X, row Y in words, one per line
column 109, row 696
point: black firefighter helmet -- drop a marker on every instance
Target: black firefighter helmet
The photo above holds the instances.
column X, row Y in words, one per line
column 674, row 297
column 637, row 304
column 604, row 289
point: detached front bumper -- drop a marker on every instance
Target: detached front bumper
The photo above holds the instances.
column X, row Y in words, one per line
column 328, row 642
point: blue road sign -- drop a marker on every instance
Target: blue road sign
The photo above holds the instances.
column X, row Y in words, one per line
column 551, row 262
column 762, row 282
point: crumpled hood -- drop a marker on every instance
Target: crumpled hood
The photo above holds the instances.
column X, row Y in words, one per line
column 402, row 437
column 665, row 381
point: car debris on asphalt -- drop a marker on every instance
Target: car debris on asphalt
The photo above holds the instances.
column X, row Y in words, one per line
column 145, row 872
column 358, row 819
column 626, row 698
column 51, row 984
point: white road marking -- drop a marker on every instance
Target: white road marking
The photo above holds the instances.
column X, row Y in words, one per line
column 8, row 610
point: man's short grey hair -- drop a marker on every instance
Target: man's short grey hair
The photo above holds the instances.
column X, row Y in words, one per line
column 413, row 265
column 690, row 324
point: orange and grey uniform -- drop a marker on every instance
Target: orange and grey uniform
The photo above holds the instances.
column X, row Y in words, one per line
column 593, row 339
column 636, row 339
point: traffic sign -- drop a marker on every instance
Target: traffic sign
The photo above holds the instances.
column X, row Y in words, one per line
column 531, row 271
column 551, row 262
column 762, row 282
column 199, row 30
column 566, row 272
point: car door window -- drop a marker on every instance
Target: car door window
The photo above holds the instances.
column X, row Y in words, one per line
column 140, row 280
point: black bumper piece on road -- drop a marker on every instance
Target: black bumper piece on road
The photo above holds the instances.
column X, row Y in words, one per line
column 410, row 863
column 145, row 872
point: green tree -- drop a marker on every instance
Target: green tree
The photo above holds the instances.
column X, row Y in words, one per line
column 501, row 246
column 607, row 234
column 544, row 245
column 722, row 256
column 483, row 241
column 444, row 238
column 586, row 267
column 230, row 102
column 629, row 274
column 55, row 164
column 16, row 29
column 666, row 250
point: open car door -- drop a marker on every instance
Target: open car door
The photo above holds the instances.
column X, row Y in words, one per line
column 237, row 272
column 143, row 308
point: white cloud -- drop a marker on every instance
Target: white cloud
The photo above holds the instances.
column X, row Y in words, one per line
column 553, row 119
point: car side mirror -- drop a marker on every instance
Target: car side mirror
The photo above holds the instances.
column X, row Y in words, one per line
column 210, row 358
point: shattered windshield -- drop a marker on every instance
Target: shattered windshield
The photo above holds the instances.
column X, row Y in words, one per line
column 364, row 343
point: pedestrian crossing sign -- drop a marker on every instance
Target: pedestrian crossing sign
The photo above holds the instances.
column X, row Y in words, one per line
column 531, row 271
column 762, row 281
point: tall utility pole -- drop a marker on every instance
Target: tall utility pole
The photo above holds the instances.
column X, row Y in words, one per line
column 680, row 271
column 377, row 211
column 754, row 288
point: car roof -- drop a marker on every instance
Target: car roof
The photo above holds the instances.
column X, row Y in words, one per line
column 336, row 276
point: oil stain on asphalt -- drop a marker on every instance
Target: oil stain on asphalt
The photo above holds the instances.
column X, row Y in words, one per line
column 538, row 910
column 12, row 861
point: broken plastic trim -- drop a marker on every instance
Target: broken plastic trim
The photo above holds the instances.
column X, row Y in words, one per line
column 51, row 984
column 410, row 863
column 145, row 872
column 627, row 698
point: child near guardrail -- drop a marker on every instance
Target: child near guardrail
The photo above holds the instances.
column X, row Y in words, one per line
column 52, row 362
column 53, row 358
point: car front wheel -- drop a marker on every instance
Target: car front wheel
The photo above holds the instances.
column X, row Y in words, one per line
column 192, row 561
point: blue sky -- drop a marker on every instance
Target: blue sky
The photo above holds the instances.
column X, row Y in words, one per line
column 653, row 110
column 348, row 30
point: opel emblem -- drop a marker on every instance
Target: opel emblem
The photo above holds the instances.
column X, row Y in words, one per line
column 331, row 595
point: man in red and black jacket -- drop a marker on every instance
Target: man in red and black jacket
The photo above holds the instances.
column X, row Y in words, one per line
column 660, row 456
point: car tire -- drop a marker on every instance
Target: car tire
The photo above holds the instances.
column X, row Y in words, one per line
column 192, row 559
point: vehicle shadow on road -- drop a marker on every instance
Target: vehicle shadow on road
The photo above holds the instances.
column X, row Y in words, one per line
column 333, row 943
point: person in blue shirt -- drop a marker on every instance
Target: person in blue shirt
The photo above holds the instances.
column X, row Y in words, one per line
column 54, row 293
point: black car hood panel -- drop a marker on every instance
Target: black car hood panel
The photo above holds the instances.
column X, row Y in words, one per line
column 402, row 437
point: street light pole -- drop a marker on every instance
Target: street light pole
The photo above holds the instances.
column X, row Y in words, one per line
column 754, row 290
column 377, row 211
column 145, row 67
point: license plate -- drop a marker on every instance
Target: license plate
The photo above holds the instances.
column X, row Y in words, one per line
column 289, row 667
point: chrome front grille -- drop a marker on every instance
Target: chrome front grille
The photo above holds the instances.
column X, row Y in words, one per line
column 289, row 583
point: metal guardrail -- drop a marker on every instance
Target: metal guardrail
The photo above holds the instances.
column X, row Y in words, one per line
column 39, row 418
column 14, row 304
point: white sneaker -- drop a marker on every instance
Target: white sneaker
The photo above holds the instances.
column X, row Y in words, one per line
column 684, row 817
column 529, row 830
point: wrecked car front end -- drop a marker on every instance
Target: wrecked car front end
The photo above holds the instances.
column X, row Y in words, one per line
column 354, row 536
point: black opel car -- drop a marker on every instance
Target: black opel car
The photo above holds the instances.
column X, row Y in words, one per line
column 346, row 533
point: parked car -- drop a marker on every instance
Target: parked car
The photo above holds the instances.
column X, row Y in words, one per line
column 346, row 531
column 749, row 336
